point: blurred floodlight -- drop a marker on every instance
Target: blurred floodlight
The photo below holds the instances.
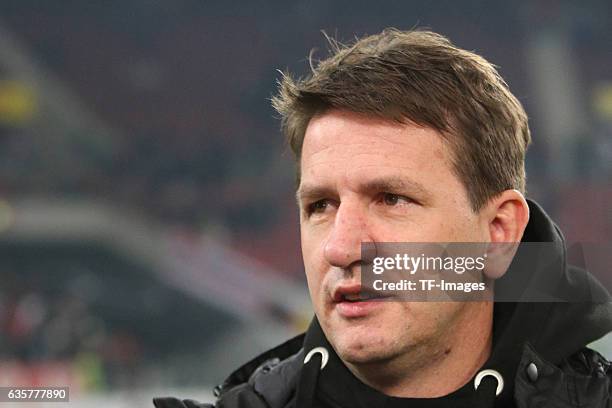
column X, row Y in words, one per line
column 17, row 102
column 602, row 100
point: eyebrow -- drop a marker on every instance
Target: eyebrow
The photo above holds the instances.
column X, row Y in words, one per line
column 394, row 184
column 309, row 193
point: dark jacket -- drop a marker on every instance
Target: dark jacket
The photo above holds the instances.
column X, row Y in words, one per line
column 539, row 351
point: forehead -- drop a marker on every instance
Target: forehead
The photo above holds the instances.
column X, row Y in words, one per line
column 345, row 145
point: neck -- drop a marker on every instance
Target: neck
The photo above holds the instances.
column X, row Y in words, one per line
column 439, row 368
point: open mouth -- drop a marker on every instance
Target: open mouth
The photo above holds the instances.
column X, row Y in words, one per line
column 355, row 294
column 351, row 301
column 361, row 297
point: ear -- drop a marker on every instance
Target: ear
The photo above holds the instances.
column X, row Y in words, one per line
column 506, row 216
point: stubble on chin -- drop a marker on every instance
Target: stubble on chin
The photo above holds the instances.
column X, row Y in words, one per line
column 365, row 345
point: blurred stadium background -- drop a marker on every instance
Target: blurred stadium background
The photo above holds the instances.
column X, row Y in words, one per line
column 148, row 234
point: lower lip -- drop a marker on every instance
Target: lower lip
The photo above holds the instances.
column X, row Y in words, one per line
column 357, row 309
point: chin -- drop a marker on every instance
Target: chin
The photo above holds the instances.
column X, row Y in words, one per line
column 364, row 356
column 363, row 349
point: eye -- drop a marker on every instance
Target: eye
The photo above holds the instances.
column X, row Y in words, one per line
column 391, row 199
column 317, row 207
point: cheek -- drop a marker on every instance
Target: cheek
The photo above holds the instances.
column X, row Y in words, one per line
column 313, row 267
column 458, row 228
column 310, row 239
column 468, row 230
column 313, row 278
column 432, row 317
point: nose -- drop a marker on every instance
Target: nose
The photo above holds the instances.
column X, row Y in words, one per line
column 343, row 245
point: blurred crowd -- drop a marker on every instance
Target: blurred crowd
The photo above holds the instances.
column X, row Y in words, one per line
column 39, row 327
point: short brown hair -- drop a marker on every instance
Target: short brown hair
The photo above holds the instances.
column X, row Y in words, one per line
column 419, row 77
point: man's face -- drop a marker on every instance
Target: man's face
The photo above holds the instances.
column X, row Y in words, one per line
column 369, row 180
